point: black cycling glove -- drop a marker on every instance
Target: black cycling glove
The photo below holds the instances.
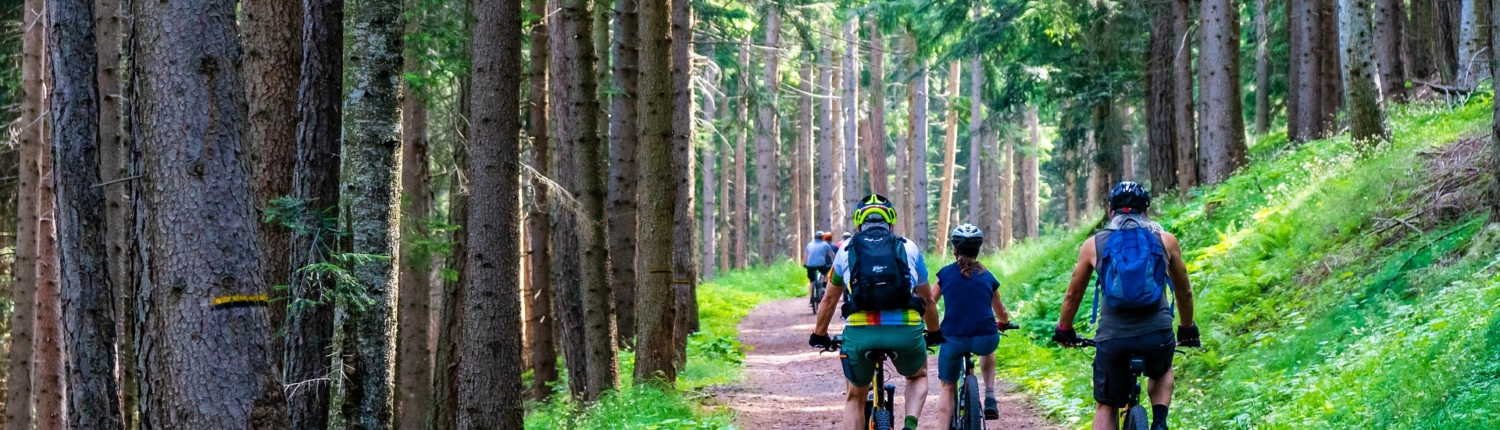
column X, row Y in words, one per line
column 1066, row 337
column 935, row 338
column 1187, row 335
column 819, row 341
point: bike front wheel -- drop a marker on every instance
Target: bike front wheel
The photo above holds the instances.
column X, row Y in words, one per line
column 973, row 407
column 883, row 420
column 1135, row 418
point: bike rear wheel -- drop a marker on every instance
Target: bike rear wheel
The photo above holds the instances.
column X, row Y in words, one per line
column 1135, row 418
column 973, row 407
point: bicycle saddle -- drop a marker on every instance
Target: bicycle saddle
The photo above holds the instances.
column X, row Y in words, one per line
column 880, row 354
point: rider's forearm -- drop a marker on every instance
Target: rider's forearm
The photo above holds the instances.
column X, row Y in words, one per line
column 1002, row 316
column 1076, row 288
column 1185, row 306
column 930, row 313
column 825, row 309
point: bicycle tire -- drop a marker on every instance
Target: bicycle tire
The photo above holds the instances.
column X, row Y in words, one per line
column 1135, row 418
column 883, row 420
column 973, row 407
column 817, row 298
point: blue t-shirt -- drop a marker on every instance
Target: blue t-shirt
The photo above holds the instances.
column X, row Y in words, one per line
column 966, row 302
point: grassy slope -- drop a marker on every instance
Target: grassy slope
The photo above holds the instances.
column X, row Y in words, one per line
column 1309, row 319
column 715, row 358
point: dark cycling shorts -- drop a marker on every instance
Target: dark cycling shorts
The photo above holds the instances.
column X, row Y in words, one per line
column 813, row 271
column 1112, row 383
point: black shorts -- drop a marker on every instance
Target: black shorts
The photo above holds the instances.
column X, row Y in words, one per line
column 1112, row 383
column 813, row 271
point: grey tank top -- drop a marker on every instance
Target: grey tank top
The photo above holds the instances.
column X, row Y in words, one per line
column 1125, row 323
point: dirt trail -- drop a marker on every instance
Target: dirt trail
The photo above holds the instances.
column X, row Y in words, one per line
column 790, row 386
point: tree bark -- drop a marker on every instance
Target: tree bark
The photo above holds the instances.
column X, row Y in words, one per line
column 623, row 170
column 93, row 398
column 1361, row 74
column 205, row 358
column 574, row 103
column 739, row 205
column 1422, row 47
column 1474, row 30
column 656, row 315
column 1184, row 107
column 835, row 201
column 875, row 147
column 540, row 321
column 800, row 165
column 270, row 67
column 1390, row 23
column 23, row 324
column 1495, row 122
column 725, row 226
column 1031, row 176
column 490, row 367
column 827, row 185
column 1223, row 126
column 950, row 154
column 1263, row 68
column 976, row 136
column 590, row 164
column 1331, row 70
column 1160, row 106
column 767, row 140
column 1304, row 99
column 852, row 190
column 372, row 192
column 919, row 194
column 309, row 321
column 685, row 253
column 449, row 344
column 710, row 176
column 111, row 26
column 1004, row 202
column 51, row 372
column 414, row 362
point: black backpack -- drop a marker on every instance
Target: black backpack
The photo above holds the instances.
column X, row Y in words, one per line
column 878, row 273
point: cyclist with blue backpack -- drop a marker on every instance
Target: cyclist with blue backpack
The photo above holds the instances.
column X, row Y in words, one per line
column 973, row 317
column 888, row 306
column 1137, row 262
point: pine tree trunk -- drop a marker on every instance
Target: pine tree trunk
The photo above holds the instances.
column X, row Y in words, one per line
column 852, row 190
column 1160, row 93
column 835, row 201
column 901, row 142
column 726, row 165
column 801, row 153
column 1474, row 28
column 1070, row 189
column 827, row 184
column 589, row 163
column 1422, row 47
column 710, row 177
column 93, row 398
column 655, row 318
column 20, row 375
column 201, row 366
column 1263, row 68
column 309, row 323
column 1223, row 126
column 1448, row 22
column 685, row 253
column 1330, row 69
column 1031, row 176
column 741, row 216
column 767, row 125
column 875, row 146
column 1304, row 95
column 573, row 102
column 950, row 154
column 490, row 367
column 623, row 170
column 540, row 321
column 1361, row 74
column 414, row 362
column 371, row 170
column 51, row 378
column 270, row 66
column 1184, row 108
column 976, row 137
column 1389, row 22
column 449, row 344
column 919, row 194
column 115, row 159
column 1004, row 202
column 1495, row 122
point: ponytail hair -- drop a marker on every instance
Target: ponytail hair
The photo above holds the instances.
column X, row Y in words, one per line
column 968, row 260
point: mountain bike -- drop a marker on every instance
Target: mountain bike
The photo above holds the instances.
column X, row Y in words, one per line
column 1133, row 415
column 968, row 409
column 880, row 405
column 819, row 286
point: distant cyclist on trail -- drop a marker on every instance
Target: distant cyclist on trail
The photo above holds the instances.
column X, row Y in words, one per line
column 972, row 319
column 888, row 305
column 817, row 258
column 1135, row 258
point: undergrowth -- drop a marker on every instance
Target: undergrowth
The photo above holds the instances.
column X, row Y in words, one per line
column 1337, row 286
column 715, row 357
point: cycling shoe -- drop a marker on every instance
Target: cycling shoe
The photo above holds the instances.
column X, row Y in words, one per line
column 991, row 410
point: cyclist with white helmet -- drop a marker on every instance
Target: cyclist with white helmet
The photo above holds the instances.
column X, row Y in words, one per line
column 973, row 317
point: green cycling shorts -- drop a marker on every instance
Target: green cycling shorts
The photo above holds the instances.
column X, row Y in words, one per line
column 906, row 340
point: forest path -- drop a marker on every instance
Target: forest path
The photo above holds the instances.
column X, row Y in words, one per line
column 789, row 385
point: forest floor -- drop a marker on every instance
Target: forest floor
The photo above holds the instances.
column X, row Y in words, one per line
column 790, row 386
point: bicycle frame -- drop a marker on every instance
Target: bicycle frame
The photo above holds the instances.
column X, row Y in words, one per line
column 959, row 401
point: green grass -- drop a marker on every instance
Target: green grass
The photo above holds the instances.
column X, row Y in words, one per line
column 715, row 358
column 1313, row 316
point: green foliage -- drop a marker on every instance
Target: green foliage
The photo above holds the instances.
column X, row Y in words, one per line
column 339, row 284
column 1313, row 315
column 715, row 357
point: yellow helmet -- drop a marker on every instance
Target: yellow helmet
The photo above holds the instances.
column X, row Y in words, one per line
column 874, row 207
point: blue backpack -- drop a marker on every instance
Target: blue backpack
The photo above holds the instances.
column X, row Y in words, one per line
column 1132, row 269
